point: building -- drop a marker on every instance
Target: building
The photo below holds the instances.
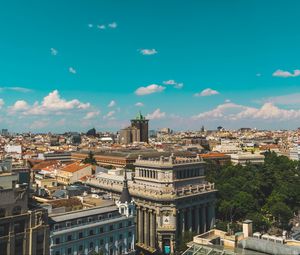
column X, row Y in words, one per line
column 106, row 229
column 59, row 156
column 73, row 172
column 171, row 197
column 244, row 158
column 137, row 132
column 216, row 157
column 4, row 132
column 23, row 228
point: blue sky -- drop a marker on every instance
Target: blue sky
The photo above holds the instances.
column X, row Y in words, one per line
column 73, row 65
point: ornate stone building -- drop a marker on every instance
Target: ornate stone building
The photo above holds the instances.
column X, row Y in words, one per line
column 171, row 197
column 23, row 230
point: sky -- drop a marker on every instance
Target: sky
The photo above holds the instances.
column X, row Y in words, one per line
column 74, row 65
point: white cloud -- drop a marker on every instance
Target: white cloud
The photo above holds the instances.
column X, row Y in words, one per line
column 18, row 89
column 112, row 103
column 53, row 51
column 113, row 25
column 290, row 99
column 148, row 51
column 20, row 105
column 90, row 25
column 286, row 74
column 153, row 88
column 91, row 115
column 52, row 103
column 102, row 27
column 174, row 83
column 139, row 104
column 1, row 103
column 38, row 124
column 207, row 92
column 232, row 112
column 157, row 114
column 109, row 115
column 72, row 70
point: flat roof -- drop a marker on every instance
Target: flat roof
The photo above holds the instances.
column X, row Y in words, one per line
column 83, row 213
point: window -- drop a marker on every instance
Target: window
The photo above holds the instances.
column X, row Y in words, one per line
column 129, row 234
column 80, row 235
column 16, row 210
column 90, row 219
column 91, row 245
column 57, row 240
column 91, row 232
column 68, row 224
column 19, row 226
column 111, row 239
column 56, row 227
column 129, row 223
column 2, row 212
column 111, row 227
column 57, row 253
column 100, row 217
column 101, row 230
column 69, row 238
column 80, row 248
column 120, row 237
column 4, row 229
column 69, row 250
column 101, row 241
column 120, row 225
column 109, row 215
column 79, row 222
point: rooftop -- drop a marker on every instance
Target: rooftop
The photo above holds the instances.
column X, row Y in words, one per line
column 84, row 213
column 74, row 167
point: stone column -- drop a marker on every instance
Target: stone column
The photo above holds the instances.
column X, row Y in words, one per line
column 197, row 218
column 183, row 220
column 152, row 228
column 203, row 218
column 211, row 215
column 190, row 219
column 146, row 227
column 140, row 225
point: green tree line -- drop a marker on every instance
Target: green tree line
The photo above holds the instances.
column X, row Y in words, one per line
column 268, row 194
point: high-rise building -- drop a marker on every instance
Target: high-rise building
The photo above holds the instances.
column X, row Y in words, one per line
column 137, row 132
column 141, row 124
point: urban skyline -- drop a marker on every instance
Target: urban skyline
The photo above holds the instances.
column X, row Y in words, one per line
column 184, row 65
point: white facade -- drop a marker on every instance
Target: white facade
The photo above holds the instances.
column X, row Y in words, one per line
column 244, row 158
column 13, row 148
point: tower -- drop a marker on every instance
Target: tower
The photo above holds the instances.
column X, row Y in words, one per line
column 141, row 124
column 126, row 203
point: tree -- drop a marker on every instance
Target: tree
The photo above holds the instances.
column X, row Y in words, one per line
column 90, row 159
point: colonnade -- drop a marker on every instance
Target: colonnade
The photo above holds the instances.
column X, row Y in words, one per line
column 146, row 227
column 198, row 219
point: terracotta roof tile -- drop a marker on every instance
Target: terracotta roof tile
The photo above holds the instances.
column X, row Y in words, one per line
column 74, row 167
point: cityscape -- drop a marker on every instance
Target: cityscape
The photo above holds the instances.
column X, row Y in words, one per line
column 149, row 127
